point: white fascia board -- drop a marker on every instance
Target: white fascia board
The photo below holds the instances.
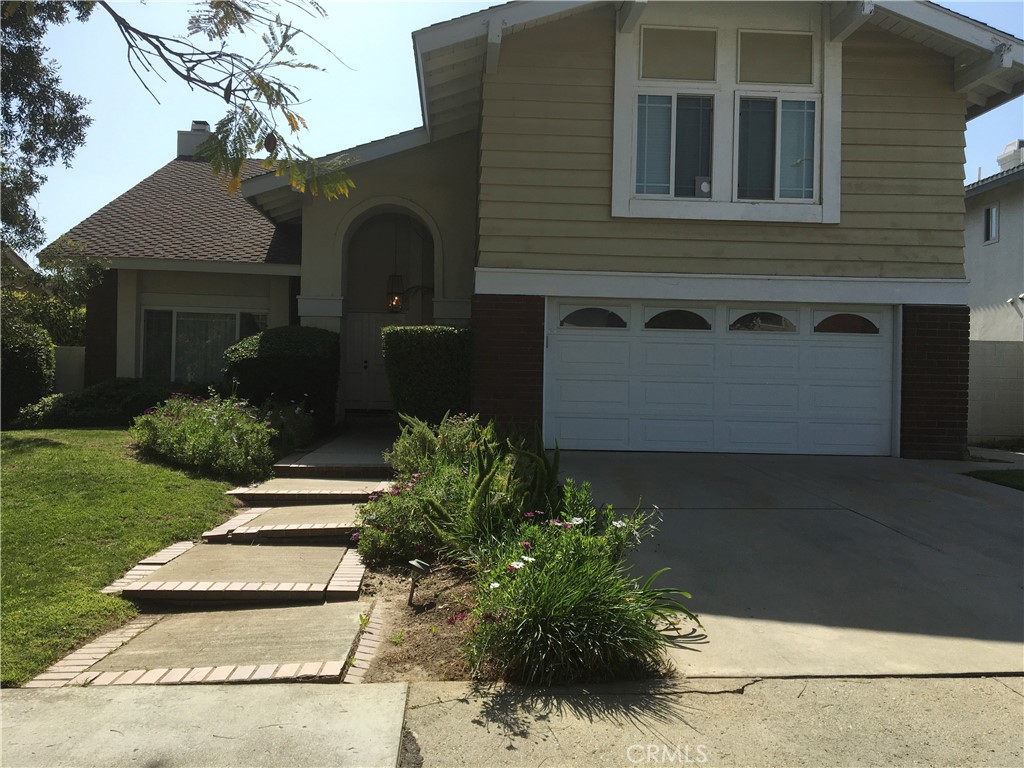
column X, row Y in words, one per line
column 363, row 153
column 945, row 22
column 696, row 287
column 197, row 265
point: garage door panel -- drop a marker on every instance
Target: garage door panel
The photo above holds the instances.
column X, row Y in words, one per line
column 757, row 358
column 746, row 396
column 586, row 393
column 678, row 359
column 759, row 436
column 762, row 391
column 839, row 398
column 676, row 434
column 676, row 395
column 846, row 361
column 592, row 433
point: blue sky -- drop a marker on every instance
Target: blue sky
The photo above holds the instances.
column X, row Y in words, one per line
column 374, row 94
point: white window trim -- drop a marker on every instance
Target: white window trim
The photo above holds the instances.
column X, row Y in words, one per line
column 721, row 206
column 174, row 327
column 985, row 223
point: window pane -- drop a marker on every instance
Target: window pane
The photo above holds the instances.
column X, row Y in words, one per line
column 593, row 317
column 756, row 161
column 693, row 145
column 653, row 144
column 763, row 321
column 199, row 345
column 775, row 57
column 156, row 344
column 678, row 320
column 796, row 150
column 846, row 322
column 250, row 323
column 678, row 54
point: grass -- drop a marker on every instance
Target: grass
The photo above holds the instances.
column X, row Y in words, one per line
column 78, row 512
column 1011, row 478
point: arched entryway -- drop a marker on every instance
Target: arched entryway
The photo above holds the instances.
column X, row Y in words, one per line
column 388, row 279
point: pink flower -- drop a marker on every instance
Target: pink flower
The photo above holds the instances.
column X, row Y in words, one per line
column 527, row 546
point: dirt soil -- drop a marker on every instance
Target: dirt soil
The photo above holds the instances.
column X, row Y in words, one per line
column 425, row 641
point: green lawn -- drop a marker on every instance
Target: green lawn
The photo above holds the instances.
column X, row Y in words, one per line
column 77, row 513
column 1011, row 478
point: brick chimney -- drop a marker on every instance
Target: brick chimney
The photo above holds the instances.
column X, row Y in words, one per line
column 188, row 141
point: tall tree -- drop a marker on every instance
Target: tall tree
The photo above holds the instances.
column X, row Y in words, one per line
column 44, row 124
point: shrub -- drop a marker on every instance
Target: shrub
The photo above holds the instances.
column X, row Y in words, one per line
column 63, row 321
column 558, row 606
column 111, row 403
column 223, row 438
column 420, row 447
column 292, row 424
column 27, row 361
column 290, row 363
column 428, row 369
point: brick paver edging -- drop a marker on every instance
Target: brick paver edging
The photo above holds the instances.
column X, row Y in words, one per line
column 70, row 669
column 219, row 590
column 366, row 646
column 148, row 565
column 347, row 578
column 310, row 671
column 227, row 528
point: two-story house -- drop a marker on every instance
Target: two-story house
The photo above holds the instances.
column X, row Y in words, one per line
column 673, row 226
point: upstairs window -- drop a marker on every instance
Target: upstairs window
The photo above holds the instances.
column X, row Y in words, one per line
column 718, row 122
column 991, row 224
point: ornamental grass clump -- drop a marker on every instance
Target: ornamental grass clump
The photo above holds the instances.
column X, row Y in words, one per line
column 558, row 605
column 222, row 438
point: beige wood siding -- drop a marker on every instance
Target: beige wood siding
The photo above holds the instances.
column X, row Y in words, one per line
column 546, row 155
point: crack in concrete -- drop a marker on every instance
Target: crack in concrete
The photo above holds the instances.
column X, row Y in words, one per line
column 736, row 691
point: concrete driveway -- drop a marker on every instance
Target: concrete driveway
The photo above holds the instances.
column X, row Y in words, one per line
column 820, row 565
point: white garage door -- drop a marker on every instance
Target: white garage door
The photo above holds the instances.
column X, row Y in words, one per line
column 644, row 376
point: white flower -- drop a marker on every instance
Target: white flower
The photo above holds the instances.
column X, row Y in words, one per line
column 495, row 585
column 576, row 520
column 529, row 559
column 619, row 523
column 517, row 564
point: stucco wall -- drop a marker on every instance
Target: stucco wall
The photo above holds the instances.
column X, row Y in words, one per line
column 436, row 182
column 996, row 270
column 546, row 160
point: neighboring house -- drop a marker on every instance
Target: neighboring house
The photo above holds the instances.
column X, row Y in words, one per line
column 672, row 226
column 994, row 257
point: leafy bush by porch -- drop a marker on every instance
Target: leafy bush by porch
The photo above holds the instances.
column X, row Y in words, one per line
column 222, row 438
column 429, row 369
column 27, row 361
column 290, row 363
column 111, row 403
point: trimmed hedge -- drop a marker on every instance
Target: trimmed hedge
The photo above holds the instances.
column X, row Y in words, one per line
column 290, row 363
column 27, row 361
column 111, row 403
column 429, row 368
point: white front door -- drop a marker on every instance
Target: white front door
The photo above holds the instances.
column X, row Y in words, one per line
column 768, row 378
column 364, row 379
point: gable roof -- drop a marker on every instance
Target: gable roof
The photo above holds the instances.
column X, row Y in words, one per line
column 1000, row 179
column 183, row 213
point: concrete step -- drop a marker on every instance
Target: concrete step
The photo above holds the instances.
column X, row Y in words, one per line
column 299, row 468
column 282, row 491
column 306, row 523
column 246, row 574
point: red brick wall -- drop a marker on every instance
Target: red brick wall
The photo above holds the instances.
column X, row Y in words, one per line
column 933, row 421
column 508, row 357
column 101, row 330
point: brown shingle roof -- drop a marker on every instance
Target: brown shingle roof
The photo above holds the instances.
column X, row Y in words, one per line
column 183, row 212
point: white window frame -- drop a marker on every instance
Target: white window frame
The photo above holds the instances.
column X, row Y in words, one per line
column 174, row 327
column 990, row 222
column 824, row 207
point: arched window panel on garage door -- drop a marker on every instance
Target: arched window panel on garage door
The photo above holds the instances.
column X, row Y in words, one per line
column 762, row 320
column 845, row 322
column 660, row 318
column 593, row 317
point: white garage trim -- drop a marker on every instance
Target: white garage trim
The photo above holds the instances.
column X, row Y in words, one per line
column 640, row 285
column 652, row 375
